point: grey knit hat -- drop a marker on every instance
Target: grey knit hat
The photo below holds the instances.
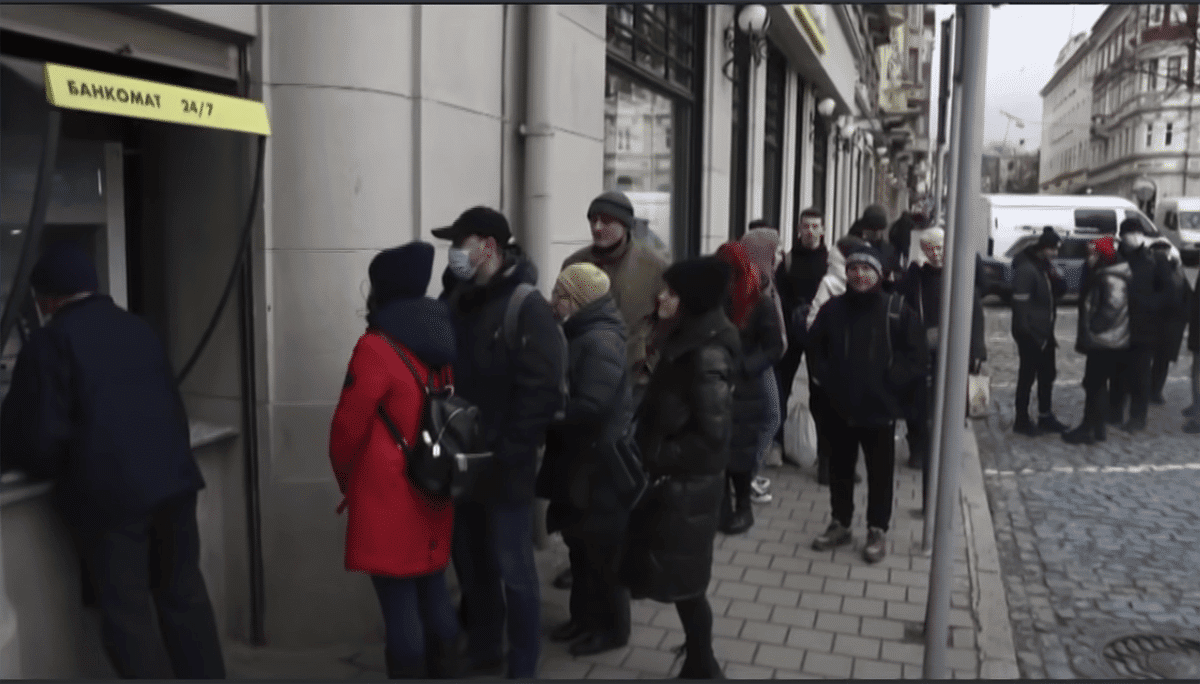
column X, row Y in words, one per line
column 615, row 204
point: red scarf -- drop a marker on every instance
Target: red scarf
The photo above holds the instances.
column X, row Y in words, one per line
column 746, row 286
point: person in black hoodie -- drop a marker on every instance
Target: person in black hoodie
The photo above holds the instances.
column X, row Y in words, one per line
column 1149, row 298
column 683, row 431
column 94, row 406
column 797, row 279
column 1037, row 287
column 518, row 392
column 579, row 468
column 1103, row 335
column 872, row 227
column 868, row 350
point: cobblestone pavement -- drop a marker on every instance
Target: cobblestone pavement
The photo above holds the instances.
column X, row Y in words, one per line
column 1094, row 542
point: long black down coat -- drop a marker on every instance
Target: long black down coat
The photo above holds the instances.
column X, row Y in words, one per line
column 575, row 475
column 762, row 348
column 684, row 428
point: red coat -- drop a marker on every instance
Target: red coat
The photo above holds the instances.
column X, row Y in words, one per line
column 393, row 528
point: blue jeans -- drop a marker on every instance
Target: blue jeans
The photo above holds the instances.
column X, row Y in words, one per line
column 493, row 556
column 414, row 607
column 773, row 418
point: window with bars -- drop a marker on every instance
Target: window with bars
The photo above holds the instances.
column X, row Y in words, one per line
column 1173, row 64
column 659, row 39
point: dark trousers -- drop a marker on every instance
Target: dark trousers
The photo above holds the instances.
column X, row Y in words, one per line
column 493, row 557
column 818, row 406
column 879, row 451
column 156, row 618
column 920, row 429
column 1036, row 363
column 1160, row 365
column 785, row 374
column 1101, row 373
column 415, row 610
column 598, row 599
column 697, row 618
column 1133, row 383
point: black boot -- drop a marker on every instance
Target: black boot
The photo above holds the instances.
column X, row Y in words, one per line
column 396, row 670
column 443, row 659
column 743, row 515
column 1084, row 434
column 1048, row 423
column 725, row 522
column 1024, row 426
column 700, row 665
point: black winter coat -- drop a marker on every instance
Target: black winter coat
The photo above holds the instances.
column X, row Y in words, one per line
column 94, row 405
column 1104, row 308
column 921, row 287
column 684, row 428
column 1194, row 317
column 517, row 391
column 1036, row 290
column 575, row 475
column 762, row 347
column 848, row 347
column 797, row 280
column 1149, row 297
column 1175, row 312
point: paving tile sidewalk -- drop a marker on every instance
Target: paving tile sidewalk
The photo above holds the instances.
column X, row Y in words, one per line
column 782, row 610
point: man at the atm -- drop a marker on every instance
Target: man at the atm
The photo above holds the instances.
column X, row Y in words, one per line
column 95, row 406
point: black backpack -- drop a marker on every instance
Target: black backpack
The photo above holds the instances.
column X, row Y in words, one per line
column 450, row 453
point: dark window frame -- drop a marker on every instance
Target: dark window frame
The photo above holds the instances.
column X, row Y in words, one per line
column 774, row 124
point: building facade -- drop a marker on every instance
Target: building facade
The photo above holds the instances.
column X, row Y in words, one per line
column 905, row 96
column 387, row 122
column 1136, row 64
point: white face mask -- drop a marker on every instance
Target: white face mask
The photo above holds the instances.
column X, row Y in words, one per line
column 460, row 263
column 1132, row 240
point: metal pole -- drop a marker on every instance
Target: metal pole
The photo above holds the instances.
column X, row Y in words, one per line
column 928, row 501
column 956, row 342
column 33, row 232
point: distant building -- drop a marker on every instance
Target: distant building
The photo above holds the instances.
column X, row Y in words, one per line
column 1135, row 64
column 1010, row 169
column 905, row 91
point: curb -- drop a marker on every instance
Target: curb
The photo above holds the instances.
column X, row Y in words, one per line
column 997, row 653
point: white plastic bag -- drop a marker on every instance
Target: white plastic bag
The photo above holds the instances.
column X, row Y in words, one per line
column 979, row 394
column 799, row 430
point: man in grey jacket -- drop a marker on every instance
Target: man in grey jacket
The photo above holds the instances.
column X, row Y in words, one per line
column 1037, row 287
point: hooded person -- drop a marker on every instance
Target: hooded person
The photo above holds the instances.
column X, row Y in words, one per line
column 867, row 349
column 578, row 473
column 684, row 434
column 872, row 227
column 763, row 247
column 1037, row 288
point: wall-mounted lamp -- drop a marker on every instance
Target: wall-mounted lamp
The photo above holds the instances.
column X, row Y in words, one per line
column 881, row 150
column 751, row 27
column 825, row 107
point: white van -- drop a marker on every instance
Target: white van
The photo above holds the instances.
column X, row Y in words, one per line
column 1016, row 221
column 1179, row 220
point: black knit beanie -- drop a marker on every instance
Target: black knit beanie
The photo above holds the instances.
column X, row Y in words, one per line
column 64, row 269
column 874, row 218
column 615, row 204
column 700, row 283
column 401, row 272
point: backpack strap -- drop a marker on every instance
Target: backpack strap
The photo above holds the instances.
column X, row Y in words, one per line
column 891, row 318
column 512, row 312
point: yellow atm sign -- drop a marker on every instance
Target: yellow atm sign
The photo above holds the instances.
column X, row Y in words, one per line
column 96, row 91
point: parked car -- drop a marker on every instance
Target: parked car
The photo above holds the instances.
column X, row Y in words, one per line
column 1179, row 220
column 1016, row 221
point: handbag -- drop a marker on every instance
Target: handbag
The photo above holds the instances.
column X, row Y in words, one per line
column 979, row 394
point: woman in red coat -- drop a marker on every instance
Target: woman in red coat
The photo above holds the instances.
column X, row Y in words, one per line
column 396, row 532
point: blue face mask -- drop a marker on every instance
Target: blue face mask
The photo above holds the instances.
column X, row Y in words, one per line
column 460, row 263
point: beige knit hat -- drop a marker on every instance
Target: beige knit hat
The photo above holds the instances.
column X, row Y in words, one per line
column 584, row 283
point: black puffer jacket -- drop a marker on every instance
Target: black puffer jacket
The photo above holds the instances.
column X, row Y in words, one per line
column 1104, row 308
column 684, row 428
column 1178, row 295
column 1194, row 317
column 517, row 391
column 850, row 356
column 575, row 476
column 921, row 287
column 762, row 347
column 94, row 405
column 1036, row 290
column 1149, row 297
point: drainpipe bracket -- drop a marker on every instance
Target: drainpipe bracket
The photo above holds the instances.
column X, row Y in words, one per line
column 536, row 130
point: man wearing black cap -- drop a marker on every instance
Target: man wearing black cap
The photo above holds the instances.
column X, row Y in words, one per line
column 868, row 350
column 635, row 272
column 94, row 406
column 1037, row 287
column 518, row 392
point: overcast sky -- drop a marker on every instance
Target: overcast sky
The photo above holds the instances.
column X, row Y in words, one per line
column 1023, row 42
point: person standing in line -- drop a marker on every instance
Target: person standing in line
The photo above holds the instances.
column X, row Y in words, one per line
column 1148, row 300
column 1178, row 294
column 1192, row 412
column 684, row 434
column 873, row 227
column 94, row 406
column 797, row 279
column 396, row 532
column 868, row 350
column 761, row 345
column 578, row 474
column 1103, row 335
column 518, row 392
column 762, row 243
column 1037, row 287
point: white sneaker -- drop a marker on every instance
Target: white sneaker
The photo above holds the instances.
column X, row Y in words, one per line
column 761, row 484
column 762, row 498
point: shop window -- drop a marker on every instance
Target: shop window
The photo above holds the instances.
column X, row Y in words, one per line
column 739, row 140
column 819, row 167
column 798, row 181
column 773, row 137
column 650, row 93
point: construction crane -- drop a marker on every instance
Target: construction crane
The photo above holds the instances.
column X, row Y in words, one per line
column 1011, row 120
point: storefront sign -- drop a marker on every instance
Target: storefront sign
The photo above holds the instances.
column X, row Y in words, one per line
column 812, row 19
column 96, row 91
